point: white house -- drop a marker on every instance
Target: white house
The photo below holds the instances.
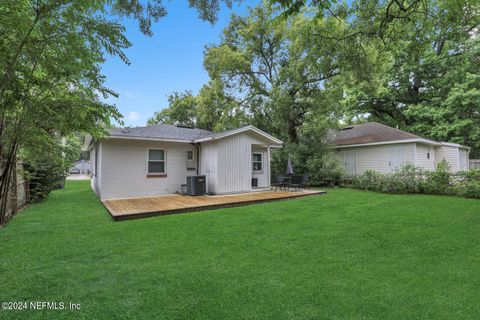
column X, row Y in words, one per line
column 156, row 160
column 82, row 166
column 374, row 146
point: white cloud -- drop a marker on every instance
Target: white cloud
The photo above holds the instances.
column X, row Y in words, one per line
column 133, row 116
column 128, row 94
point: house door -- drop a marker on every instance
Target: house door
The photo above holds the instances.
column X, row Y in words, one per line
column 350, row 163
column 396, row 158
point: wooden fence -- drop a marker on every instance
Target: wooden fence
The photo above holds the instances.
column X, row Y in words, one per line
column 18, row 196
column 474, row 164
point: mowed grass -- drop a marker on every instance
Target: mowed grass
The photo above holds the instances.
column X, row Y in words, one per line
column 346, row 255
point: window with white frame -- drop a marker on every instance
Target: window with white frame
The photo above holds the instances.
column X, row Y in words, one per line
column 156, row 161
column 257, row 161
column 190, row 155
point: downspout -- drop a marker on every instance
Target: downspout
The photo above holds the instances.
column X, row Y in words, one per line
column 197, row 146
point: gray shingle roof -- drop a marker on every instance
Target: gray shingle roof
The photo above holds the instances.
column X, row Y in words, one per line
column 162, row 131
column 368, row 133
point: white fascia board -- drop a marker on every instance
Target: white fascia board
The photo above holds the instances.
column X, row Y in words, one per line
column 425, row 141
column 240, row 130
column 148, row 139
column 450, row 144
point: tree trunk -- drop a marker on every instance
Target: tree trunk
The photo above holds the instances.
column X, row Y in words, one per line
column 7, row 183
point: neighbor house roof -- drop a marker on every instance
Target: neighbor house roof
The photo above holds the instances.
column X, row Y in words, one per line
column 372, row 133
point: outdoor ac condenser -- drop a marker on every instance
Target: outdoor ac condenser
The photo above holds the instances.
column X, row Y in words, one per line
column 196, row 185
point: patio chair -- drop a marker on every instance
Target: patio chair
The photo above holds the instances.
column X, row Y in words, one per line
column 297, row 183
column 281, row 183
column 305, row 181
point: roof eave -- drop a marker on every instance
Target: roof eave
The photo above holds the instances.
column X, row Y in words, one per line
column 425, row 141
column 149, row 139
column 241, row 130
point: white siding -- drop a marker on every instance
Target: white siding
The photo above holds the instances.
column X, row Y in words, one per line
column 227, row 163
column 422, row 157
column 234, row 166
column 208, row 164
column 124, row 168
column 449, row 154
column 96, row 172
column 376, row 157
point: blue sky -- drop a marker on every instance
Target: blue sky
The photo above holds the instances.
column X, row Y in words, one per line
column 171, row 60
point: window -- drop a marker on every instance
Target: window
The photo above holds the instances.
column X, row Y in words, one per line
column 257, row 161
column 428, row 155
column 156, row 161
column 190, row 155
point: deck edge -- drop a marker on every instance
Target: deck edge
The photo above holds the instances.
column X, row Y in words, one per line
column 132, row 216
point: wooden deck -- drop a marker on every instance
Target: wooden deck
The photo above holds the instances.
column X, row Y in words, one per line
column 131, row 208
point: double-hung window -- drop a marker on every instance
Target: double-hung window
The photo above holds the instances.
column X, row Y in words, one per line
column 156, row 161
column 257, row 162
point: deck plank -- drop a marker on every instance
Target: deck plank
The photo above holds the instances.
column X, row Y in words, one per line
column 131, row 208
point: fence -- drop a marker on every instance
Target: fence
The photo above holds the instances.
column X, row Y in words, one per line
column 18, row 196
column 474, row 164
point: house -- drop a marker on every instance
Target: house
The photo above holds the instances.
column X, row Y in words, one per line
column 156, row 160
column 81, row 166
column 374, row 146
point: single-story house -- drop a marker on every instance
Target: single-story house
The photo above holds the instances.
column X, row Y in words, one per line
column 81, row 166
column 374, row 146
column 156, row 160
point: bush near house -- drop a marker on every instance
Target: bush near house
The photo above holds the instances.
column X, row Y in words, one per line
column 411, row 179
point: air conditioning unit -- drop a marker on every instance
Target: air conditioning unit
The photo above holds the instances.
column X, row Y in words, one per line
column 196, row 185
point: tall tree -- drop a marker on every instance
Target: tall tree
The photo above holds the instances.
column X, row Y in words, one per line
column 277, row 71
column 428, row 81
column 212, row 109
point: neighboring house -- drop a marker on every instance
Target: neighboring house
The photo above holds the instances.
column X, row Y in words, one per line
column 156, row 160
column 81, row 166
column 374, row 146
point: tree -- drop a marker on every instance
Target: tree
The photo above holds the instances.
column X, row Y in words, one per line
column 277, row 71
column 182, row 110
column 428, row 81
column 50, row 79
column 211, row 109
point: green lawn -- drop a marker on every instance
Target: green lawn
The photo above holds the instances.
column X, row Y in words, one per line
column 346, row 255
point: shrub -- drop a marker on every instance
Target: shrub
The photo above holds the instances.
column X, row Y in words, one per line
column 411, row 179
column 325, row 169
column 407, row 180
column 438, row 181
column 369, row 180
column 469, row 184
column 469, row 189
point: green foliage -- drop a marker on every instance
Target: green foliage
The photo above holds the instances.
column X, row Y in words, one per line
column 425, row 73
column 439, row 181
column 182, row 110
column 470, row 184
column 47, row 165
column 411, row 179
column 325, row 169
column 370, row 180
